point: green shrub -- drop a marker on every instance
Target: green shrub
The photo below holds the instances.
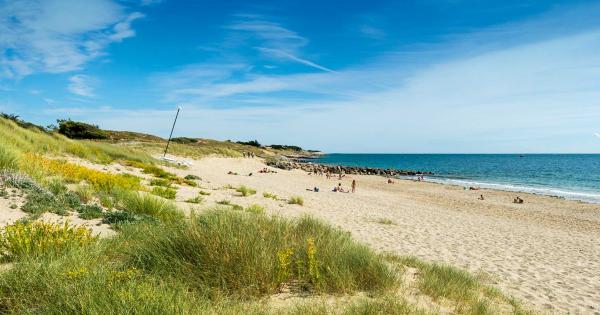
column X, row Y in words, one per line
column 192, row 177
column 236, row 253
column 245, row 191
column 165, row 192
column 296, row 200
column 36, row 238
column 40, row 201
column 80, row 130
column 204, row 193
column 88, row 212
column 119, row 218
column 140, row 203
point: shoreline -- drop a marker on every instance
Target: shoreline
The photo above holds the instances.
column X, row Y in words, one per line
column 308, row 164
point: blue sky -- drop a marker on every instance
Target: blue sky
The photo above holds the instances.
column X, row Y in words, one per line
column 342, row 76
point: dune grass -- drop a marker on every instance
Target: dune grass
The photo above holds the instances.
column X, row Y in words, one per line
column 35, row 141
column 8, row 158
column 145, row 204
column 245, row 191
column 165, row 192
column 270, row 196
column 296, row 200
column 225, row 253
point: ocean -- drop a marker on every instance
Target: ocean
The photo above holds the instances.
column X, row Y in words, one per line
column 572, row 176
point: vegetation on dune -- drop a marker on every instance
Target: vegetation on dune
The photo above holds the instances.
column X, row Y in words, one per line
column 296, row 200
column 245, row 191
column 145, row 204
column 27, row 239
column 240, row 254
column 270, row 196
column 38, row 166
column 80, row 130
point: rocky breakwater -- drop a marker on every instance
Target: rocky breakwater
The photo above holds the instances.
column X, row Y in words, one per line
column 338, row 169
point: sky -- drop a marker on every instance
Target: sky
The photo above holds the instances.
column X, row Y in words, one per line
column 422, row 76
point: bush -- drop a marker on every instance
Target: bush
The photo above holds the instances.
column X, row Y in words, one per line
column 8, row 159
column 103, row 181
column 196, row 200
column 88, row 212
column 296, row 200
column 85, row 193
column 191, row 177
column 79, row 130
column 35, row 238
column 119, row 218
column 165, row 192
column 245, row 191
column 252, row 143
column 236, row 253
column 140, row 203
column 204, row 193
column 160, row 182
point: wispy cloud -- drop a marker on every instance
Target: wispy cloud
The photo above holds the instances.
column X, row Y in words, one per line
column 82, row 85
column 274, row 40
column 597, row 134
column 58, row 35
column 285, row 55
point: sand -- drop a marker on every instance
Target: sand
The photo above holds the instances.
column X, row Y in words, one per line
column 543, row 252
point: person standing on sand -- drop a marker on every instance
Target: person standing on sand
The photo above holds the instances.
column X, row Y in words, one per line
column 353, row 185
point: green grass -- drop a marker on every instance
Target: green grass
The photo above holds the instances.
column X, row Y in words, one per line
column 226, row 202
column 160, row 182
column 165, row 192
column 144, row 204
column 8, row 158
column 196, row 200
column 296, row 200
column 384, row 221
column 254, row 208
column 466, row 292
column 204, row 193
column 245, row 191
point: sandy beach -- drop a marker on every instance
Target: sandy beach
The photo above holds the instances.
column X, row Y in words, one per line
column 543, row 252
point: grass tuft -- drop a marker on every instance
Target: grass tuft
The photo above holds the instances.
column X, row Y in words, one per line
column 165, row 192
column 245, row 191
column 296, row 200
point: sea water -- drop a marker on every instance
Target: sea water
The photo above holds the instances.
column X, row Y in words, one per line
column 572, row 176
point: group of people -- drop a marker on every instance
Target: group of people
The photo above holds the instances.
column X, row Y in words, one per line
column 266, row 170
column 248, row 154
column 339, row 188
column 516, row 200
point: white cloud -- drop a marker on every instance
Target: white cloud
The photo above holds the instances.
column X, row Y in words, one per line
column 82, row 85
column 58, row 35
column 597, row 134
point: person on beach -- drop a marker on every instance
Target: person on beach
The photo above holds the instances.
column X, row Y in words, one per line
column 390, row 181
column 353, row 185
column 481, row 197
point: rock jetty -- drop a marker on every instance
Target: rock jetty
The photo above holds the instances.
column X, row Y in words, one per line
column 338, row 169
